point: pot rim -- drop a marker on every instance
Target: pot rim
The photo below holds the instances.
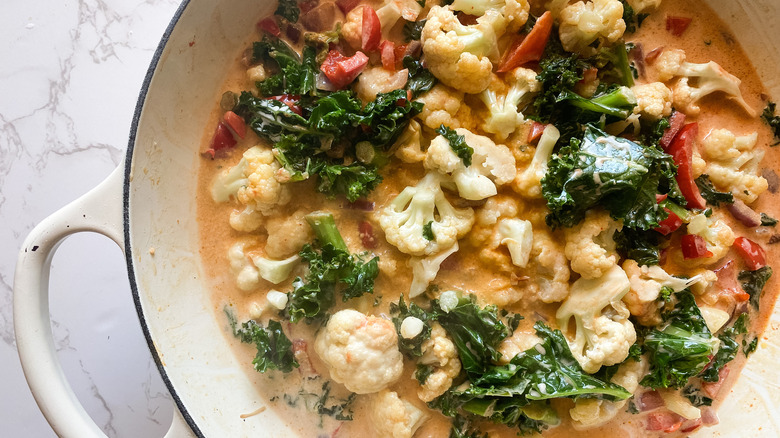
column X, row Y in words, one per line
column 142, row 95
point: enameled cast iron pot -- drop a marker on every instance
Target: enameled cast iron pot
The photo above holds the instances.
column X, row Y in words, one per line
column 148, row 202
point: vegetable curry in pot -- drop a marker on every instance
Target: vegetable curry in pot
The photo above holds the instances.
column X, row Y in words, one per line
column 491, row 218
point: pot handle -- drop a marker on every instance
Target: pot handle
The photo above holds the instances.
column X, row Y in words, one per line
column 100, row 211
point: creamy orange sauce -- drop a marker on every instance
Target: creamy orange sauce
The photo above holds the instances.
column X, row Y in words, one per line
column 467, row 270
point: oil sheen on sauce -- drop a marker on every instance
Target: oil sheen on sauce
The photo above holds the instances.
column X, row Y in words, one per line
column 707, row 38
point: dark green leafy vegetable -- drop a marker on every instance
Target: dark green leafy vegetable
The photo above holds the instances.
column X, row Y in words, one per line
column 710, row 194
column 652, row 132
column 420, row 79
column 463, row 428
column 728, row 349
column 274, row 349
column 428, row 231
column 770, row 118
column 411, row 347
column 332, row 270
column 457, row 143
column 694, row 394
column 631, row 18
column 682, row 348
column 618, row 102
column 639, row 245
column 613, row 64
column 413, row 29
column 753, row 283
column 288, row 9
column 297, row 73
column 321, row 41
column 423, row 372
column 615, row 173
column 767, row 221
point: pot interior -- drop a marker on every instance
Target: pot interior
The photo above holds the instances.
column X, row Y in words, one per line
column 212, row 389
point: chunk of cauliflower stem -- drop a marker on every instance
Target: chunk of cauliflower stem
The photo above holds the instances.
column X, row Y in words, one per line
column 460, row 55
column 405, row 217
column 602, row 333
column 491, row 165
column 361, row 352
column 528, row 183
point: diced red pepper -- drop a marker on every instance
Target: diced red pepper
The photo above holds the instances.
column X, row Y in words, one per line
column 694, row 247
column 372, row 30
column 387, row 50
column 530, row 48
column 664, row 421
column 366, row 233
column 681, row 150
column 223, row 138
column 269, row 25
column 653, row 55
column 751, row 252
column 676, row 123
column 677, row 25
column 341, row 70
column 289, row 100
column 236, row 123
column 659, row 198
column 400, row 52
column 347, row 5
column 670, row 224
column 537, row 129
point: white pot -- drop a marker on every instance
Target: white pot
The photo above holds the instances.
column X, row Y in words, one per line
column 149, row 203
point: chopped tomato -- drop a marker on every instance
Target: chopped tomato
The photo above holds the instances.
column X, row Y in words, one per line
column 222, row 139
column 530, row 48
column 268, row 25
column 387, row 50
column 676, row 123
column 371, row 29
column 366, row 233
column 677, row 25
column 400, row 52
column 681, row 150
column 694, row 247
column 670, row 224
column 341, row 70
column 289, row 100
column 537, row 129
column 664, row 421
column 751, row 252
column 653, row 55
column 347, row 5
column 236, row 123
column 589, row 75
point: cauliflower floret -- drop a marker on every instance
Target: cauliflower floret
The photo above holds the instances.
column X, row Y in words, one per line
column 246, row 220
column 415, row 208
column 287, row 234
column 515, row 12
column 360, row 351
column 590, row 412
column 375, row 80
column 602, row 333
column 261, row 187
column 644, row 6
column 734, row 164
column 441, row 354
column 389, row 13
column 582, row 24
column 250, row 266
column 516, row 344
column 589, row 245
column 549, row 269
column 424, row 270
column 653, row 100
column 716, row 233
column 528, row 183
column 518, row 236
column 408, row 147
column 698, row 165
column 503, row 99
column 459, row 55
column 393, row 417
column 697, row 81
column 646, row 283
column 444, row 106
column 485, row 234
column 491, row 165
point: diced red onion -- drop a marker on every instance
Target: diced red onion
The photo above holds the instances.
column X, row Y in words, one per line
column 324, row 84
column 709, row 417
column 360, row 204
column 772, row 179
column 746, row 215
column 650, row 400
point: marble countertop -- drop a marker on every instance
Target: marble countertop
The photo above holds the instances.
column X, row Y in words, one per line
column 68, row 87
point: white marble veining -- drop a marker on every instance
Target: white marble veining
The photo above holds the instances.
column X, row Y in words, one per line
column 69, row 81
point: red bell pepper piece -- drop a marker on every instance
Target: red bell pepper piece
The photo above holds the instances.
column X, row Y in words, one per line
column 530, row 48
column 659, row 198
column 537, row 129
column 751, row 252
column 670, row 224
column 387, row 51
column 694, row 247
column 222, row 139
column 269, row 25
column 236, row 123
column 372, row 30
column 366, row 233
column 677, row 25
column 681, row 150
column 289, row 100
column 341, row 70
column 664, row 420
column 676, row 122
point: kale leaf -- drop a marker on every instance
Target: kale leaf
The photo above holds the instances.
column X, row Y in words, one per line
column 767, row 221
column 728, row 349
column 770, row 118
column 274, row 349
column 639, row 245
column 420, row 79
column 457, row 143
column 682, row 348
column 288, row 9
column 411, row 347
column 753, row 283
column 616, row 173
column 297, row 74
column 710, row 194
column 412, row 30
